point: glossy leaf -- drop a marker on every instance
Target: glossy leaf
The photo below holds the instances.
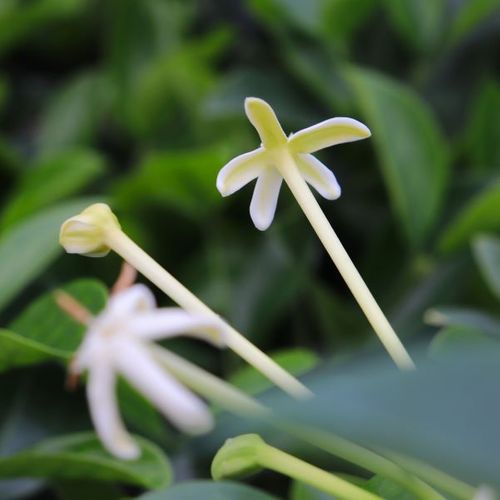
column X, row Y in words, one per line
column 478, row 215
column 82, row 456
column 411, row 150
column 487, row 253
column 209, row 490
column 28, row 248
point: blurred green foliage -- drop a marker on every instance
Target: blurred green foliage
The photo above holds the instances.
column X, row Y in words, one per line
column 139, row 103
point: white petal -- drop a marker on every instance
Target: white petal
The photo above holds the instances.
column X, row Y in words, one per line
column 265, row 198
column 328, row 133
column 318, row 175
column 240, row 171
column 178, row 404
column 173, row 321
column 135, row 299
column 104, row 411
column 263, row 118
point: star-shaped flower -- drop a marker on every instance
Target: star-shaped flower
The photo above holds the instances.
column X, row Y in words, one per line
column 265, row 163
column 117, row 342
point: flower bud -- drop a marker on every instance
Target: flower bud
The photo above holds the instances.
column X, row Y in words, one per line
column 86, row 232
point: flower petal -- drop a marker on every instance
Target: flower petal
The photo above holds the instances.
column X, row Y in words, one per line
column 328, row 133
column 240, row 171
column 134, row 361
column 173, row 321
column 265, row 198
column 104, row 411
column 318, row 175
column 136, row 299
column 263, row 118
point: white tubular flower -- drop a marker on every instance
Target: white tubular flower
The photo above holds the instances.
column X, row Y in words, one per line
column 117, row 342
column 265, row 163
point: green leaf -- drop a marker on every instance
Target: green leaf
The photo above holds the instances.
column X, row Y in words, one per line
column 51, row 180
column 470, row 16
column 303, row 491
column 208, row 490
column 466, row 318
column 487, row 254
column 419, row 23
column 81, row 456
column 479, row 214
column 73, row 116
column 451, row 337
column 45, row 323
column 387, row 489
column 28, row 248
column 447, row 405
column 483, row 133
column 411, row 150
column 296, row 361
column 181, row 180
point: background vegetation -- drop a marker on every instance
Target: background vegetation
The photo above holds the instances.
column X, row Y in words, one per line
column 140, row 103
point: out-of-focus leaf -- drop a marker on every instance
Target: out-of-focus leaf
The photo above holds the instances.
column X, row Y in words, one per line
column 303, row 491
column 208, row 490
column 426, row 414
column 387, row 489
column 480, row 214
column 29, row 247
column 45, row 323
column 411, row 149
column 483, row 134
column 184, row 181
column 467, row 318
column 470, row 16
column 73, row 116
column 18, row 19
column 419, row 23
column 82, row 456
column 53, row 179
column 16, row 350
column 85, row 489
column 295, row 361
column 487, row 253
column 451, row 337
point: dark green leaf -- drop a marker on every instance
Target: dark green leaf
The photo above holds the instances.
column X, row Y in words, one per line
column 81, row 456
column 51, row 180
column 208, row 490
column 28, row 248
column 303, row 491
column 387, row 489
column 487, row 253
column 480, row 214
column 411, row 149
column 470, row 16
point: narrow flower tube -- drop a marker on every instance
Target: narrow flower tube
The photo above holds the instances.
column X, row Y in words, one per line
column 96, row 231
column 248, row 453
column 280, row 158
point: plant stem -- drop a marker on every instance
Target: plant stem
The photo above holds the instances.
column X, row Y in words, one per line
column 341, row 259
column 275, row 459
column 134, row 255
column 364, row 458
column 207, row 385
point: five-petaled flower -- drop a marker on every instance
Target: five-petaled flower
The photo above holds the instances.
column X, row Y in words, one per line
column 117, row 342
column 265, row 162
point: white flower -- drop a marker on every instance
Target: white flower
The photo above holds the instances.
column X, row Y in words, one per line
column 117, row 343
column 264, row 163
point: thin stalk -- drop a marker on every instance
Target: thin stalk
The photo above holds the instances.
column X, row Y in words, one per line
column 275, row 459
column 134, row 255
column 341, row 259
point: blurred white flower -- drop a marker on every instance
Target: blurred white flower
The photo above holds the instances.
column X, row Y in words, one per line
column 117, row 342
column 265, row 163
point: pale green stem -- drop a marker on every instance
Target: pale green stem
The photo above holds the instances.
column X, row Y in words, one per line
column 232, row 399
column 298, row 186
column 279, row 461
column 134, row 255
column 365, row 458
column 209, row 386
